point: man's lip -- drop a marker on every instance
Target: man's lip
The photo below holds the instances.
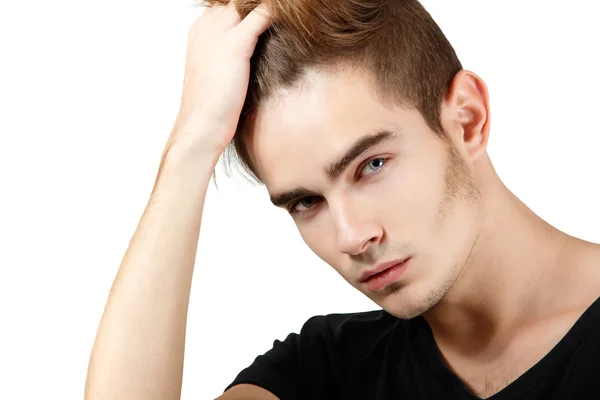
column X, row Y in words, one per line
column 380, row 268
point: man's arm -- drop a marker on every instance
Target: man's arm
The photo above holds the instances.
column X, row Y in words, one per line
column 138, row 352
column 139, row 348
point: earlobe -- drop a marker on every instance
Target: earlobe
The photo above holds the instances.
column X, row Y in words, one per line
column 472, row 112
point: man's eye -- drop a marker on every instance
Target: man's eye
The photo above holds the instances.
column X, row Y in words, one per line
column 373, row 166
column 304, row 204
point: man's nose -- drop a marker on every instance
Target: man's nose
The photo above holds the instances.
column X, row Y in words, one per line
column 356, row 230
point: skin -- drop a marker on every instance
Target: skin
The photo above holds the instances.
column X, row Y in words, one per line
column 493, row 280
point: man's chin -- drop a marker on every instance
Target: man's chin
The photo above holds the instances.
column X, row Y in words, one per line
column 409, row 302
column 406, row 312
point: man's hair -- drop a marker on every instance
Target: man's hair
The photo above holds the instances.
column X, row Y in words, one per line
column 396, row 42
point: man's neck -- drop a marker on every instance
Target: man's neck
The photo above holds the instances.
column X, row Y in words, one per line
column 509, row 278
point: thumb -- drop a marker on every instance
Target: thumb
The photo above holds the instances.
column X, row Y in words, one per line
column 255, row 23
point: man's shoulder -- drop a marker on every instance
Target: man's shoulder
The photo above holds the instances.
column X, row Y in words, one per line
column 326, row 353
column 356, row 330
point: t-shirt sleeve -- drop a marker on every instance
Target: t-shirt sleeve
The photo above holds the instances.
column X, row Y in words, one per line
column 276, row 370
column 298, row 366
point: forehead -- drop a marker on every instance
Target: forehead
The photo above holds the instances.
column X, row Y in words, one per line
column 301, row 130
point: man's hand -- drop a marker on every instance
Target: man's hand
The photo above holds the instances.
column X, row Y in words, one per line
column 217, row 71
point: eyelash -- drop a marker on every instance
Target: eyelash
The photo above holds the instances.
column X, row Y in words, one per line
column 292, row 207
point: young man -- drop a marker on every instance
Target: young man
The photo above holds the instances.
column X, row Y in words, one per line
column 360, row 120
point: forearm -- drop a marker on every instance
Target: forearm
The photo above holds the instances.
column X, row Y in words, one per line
column 139, row 348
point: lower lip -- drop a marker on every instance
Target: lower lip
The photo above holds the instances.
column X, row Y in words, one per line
column 384, row 278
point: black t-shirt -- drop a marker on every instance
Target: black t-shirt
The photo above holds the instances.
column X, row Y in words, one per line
column 376, row 356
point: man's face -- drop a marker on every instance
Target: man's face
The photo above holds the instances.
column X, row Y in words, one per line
column 411, row 195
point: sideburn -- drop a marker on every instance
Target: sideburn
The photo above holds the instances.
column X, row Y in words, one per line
column 458, row 184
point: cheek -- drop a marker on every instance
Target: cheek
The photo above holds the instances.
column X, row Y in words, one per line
column 411, row 202
column 320, row 239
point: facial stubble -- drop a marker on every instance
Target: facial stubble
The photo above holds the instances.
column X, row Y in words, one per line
column 459, row 187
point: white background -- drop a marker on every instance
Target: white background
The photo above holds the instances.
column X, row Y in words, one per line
column 88, row 95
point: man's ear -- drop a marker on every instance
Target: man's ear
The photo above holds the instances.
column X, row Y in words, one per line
column 466, row 113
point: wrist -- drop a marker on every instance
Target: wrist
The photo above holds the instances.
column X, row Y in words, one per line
column 196, row 143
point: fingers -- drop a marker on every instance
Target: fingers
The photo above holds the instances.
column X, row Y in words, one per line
column 220, row 16
column 256, row 22
column 223, row 17
column 230, row 16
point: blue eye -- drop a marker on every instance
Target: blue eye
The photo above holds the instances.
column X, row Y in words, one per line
column 375, row 165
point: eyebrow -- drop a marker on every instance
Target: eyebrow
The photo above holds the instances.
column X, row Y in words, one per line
column 335, row 170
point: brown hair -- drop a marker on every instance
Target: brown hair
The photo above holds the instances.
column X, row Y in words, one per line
column 396, row 41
